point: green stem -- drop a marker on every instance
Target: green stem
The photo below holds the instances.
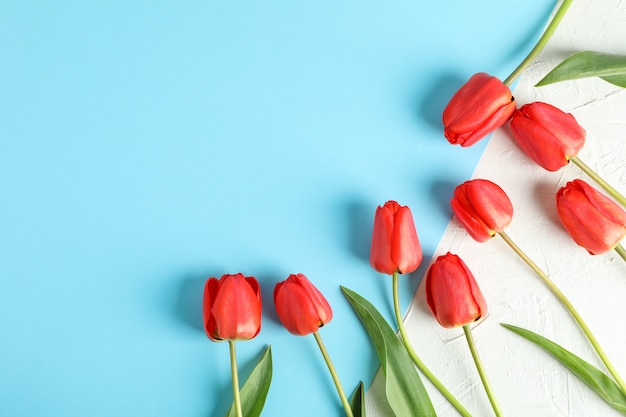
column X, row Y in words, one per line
column 235, row 377
column 333, row 373
column 620, row 249
column 601, row 182
column 418, row 362
column 547, row 34
column 481, row 371
column 570, row 307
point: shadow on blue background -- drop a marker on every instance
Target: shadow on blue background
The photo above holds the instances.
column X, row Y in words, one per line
column 189, row 301
column 442, row 193
column 360, row 222
column 431, row 104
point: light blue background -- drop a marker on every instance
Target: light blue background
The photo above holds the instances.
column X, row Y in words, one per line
column 148, row 145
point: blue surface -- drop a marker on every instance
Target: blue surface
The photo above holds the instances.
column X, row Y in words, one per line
column 145, row 146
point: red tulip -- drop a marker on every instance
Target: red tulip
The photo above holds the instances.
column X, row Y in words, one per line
column 593, row 220
column 479, row 107
column 452, row 292
column 300, row 306
column 232, row 308
column 482, row 207
column 547, row 135
column 395, row 246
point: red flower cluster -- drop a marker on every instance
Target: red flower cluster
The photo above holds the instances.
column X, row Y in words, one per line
column 545, row 133
column 548, row 136
column 232, row 307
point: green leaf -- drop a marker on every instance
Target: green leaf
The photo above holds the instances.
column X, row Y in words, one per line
column 256, row 387
column 357, row 403
column 619, row 80
column 597, row 380
column 609, row 67
column 403, row 387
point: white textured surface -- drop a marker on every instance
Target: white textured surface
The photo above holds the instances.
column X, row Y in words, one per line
column 527, row 381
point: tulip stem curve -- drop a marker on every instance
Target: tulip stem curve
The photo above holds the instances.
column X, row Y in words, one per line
column 333, row 373
column 416, row 360
column 481, row 370
column 541, row 43
column 598, row 179
column 570, row 307
column 235, row 378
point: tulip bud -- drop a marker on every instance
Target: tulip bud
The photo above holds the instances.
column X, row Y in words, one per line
column 232, row 308
column 300, row 306
column 395, row 246
column 479, row 107
column 547, row 135
column 452, row 292
column 482, row 207
column 593, row 220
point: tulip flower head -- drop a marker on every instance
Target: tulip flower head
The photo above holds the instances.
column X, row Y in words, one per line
column 452, row 292
column 592, row 219
column 300, row 306
column 232, row 308
column 478, row 108
column 395, row 245
column 482, row 207
column 548, row 135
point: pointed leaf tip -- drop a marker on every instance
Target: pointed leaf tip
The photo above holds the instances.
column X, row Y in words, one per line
column 595, row 379
column 403, row 387
column 357, row 402
column 255, row 389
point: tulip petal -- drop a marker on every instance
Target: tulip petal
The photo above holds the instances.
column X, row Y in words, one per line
column 479, row 107
column 472, row 95
column 561, row 124
column 296, row 313
column 573, row 217
column 466, row 215
column 604, row 205
column 317, row 299
column 406, row 251
column 236, row 309
column 548, row 135
column 593, row 220
column 538, row 144
column 477, row 294
column 490, row 203
column 380, row 252
column 210, row 291
column 452, row 293
column 301, row 307
column 497, row 119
